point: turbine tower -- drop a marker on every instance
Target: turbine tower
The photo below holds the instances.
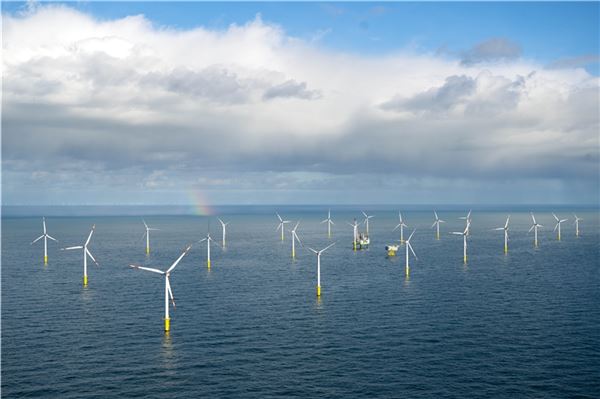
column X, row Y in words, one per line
column 329, row 223
column 366, row 222
column 86, row 253
column 464, row 234
column 147, row 235
column 534, row 227
column 409, row 246
column 281, row 224
column 505, row 229
column 402, row 225
column 558, row 223
column 318, row 253
column 168, row 291
column 436, row 224
column 45, row 236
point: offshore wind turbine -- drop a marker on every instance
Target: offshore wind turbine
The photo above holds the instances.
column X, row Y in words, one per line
column 224, row 227
column 147, row 235
column 402, row 225
column 408, row 246
column 558, row 223
column 45, row 236
column 329, row 223
column 534, row 227
column 505, row 228
column 354, row 233
column 281, row 224
column 168, row 291
column 464, row 234
column 366, row 222
column 294, row 238
column 208, row 240
column 576, row 223
column 318, row 253
column 86, row 253
column 436, row 224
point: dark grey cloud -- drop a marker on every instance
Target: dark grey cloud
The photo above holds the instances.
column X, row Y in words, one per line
column 291, row 89
column 495, row 49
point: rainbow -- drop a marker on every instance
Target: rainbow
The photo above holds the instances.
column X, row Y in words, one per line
column 201, row 204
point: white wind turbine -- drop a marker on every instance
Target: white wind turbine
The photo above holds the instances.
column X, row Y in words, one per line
column 436, row 224
column 224, row 227
column 294, row 239
column 576, row 225
column 329, row 223
column 208, row 240
column 366, row 222
column 168, row 292
column 45, row 236
column 147, row 235
column 402, row 225
column 505, row 228
column 409, row 246
column 464, row 234
column 354, row 233
column 86, row 253
column 558, row 223
column 318, row 253
column 534, row 227
column 281, row 224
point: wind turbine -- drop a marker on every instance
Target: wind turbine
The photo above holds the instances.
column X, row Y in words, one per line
column 464, row 234
column 168, row 292
column 354, row 233
column 468, row 219
column 558, row 223
column 45, row 236
column 208, row 240
column 318, row 253
column 147, row 235
column 505, row 228
column 86, row 253
column 224, row 227
column 436, row 224
column 402, row 225
column 408, row 246
column 366, row 222
column 294, row 238
column 281, row 224
column 329, row 223
column 577, row 225
column 534, row 227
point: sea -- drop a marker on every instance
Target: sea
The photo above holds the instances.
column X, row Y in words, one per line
column 525, row 324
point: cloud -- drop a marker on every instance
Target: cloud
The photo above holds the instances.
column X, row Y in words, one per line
column 575, row 62
column 291, row 88
column 94, row 110
column 495, row 49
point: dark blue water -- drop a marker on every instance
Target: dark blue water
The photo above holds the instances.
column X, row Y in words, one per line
column 526, row 324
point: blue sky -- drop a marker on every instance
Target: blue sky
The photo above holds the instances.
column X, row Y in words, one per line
column 546, row 31
column 258, row 103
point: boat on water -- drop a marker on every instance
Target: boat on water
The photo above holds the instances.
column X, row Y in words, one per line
column 392, row 249
column 363, row 241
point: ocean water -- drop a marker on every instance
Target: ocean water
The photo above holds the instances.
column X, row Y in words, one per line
column 525, row 324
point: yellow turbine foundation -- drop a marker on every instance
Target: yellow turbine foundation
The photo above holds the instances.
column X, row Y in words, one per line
column 85, row 281
column 407, row 271
column 318, row 290
column 208, row 263
column 506, row 249
column 465, row 259
column 167, row 325
column 45, row 259
column 147, row 250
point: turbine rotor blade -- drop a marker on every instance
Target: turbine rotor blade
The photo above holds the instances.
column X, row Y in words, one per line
column 70, row 248
column 52, row 238
column 87, row 251
column 179, row 259
column 37, row 239
column 149, row 269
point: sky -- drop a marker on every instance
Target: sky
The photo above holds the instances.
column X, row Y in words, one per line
column 300, row 103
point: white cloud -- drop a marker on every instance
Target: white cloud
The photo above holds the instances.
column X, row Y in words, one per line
column 162, row 106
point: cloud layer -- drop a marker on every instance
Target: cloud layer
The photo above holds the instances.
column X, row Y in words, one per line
column 127, row 107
